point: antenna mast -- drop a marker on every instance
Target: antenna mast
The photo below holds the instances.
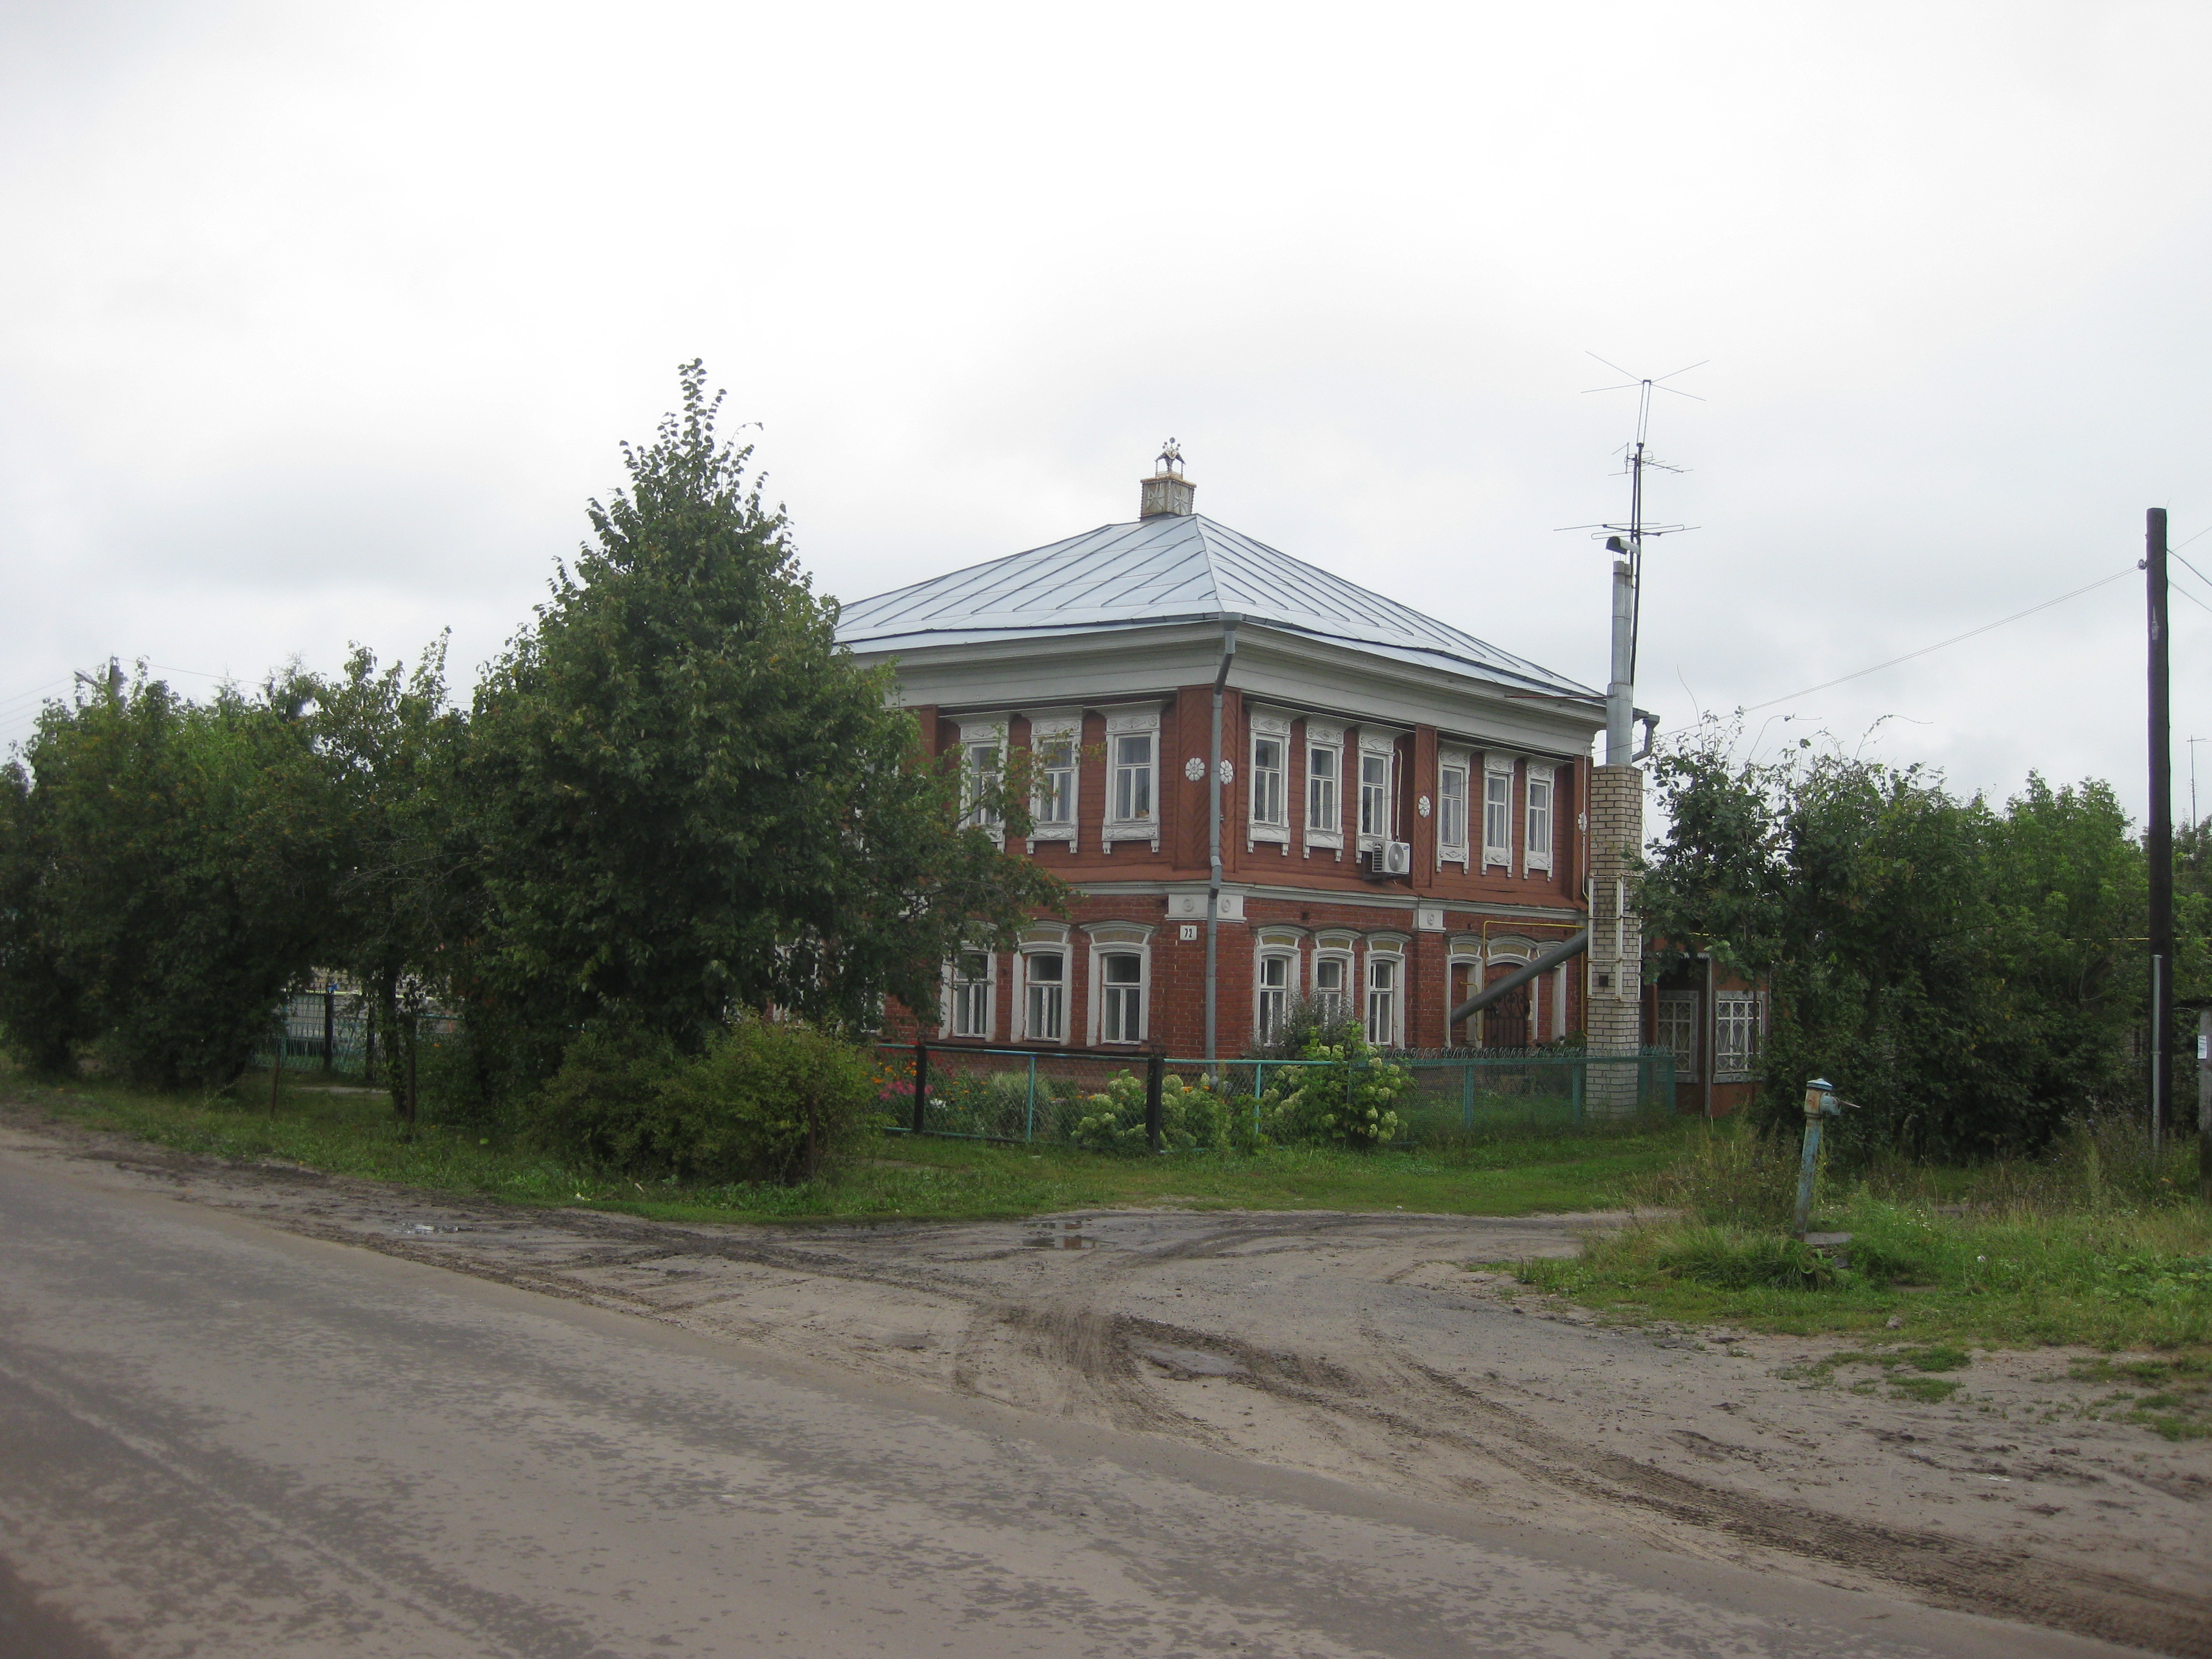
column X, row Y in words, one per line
column 1626, row 541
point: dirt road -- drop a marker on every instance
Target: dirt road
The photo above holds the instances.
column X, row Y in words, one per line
column 1226, row 1359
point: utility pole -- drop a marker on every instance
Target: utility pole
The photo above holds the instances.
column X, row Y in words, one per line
column 2158, row 836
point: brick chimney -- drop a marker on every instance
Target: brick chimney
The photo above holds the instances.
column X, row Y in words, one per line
column 1167, row 493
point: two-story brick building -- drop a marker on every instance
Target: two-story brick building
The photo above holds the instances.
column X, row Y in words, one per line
column 1403, row 808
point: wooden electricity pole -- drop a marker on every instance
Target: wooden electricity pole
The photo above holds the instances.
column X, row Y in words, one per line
column 2158, row 837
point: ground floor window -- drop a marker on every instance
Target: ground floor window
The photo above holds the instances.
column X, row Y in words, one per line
column 1736, row 1035
column 1382, row 1001
column 1331, row 986
column 1274, row 994
column 1045, row 1008
column 1676, row 1028
column 973, row 973
column 1122, row 996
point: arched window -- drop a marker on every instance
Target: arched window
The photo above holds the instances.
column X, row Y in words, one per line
column 1121, row 982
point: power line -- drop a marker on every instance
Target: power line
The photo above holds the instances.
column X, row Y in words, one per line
column 1955, row 639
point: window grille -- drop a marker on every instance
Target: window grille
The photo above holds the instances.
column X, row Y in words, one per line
column 1676, row 1028
column 1736, row 1035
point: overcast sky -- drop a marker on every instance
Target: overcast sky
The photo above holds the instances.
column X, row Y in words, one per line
column 320, row 322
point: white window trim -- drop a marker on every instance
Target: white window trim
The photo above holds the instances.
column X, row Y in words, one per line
column 1462, row 761
column 1269, row 724
column 1043, row 940
column 1495, row 765
column 1694, row 1001
column 1463, row 950
column 1120, row 938
column 975, row 729
column 1548, row 774
column 1329, row 734
column 1388, row 947
column 1374, row 740
column 990, row 984
column 1127, row 721
column 1051, row 726
column 1284, row 942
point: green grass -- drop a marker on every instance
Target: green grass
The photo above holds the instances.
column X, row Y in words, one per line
column 2098, row 1245
column 904, row 1177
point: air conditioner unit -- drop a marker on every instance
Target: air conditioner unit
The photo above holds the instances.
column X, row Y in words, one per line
column 1392, row 858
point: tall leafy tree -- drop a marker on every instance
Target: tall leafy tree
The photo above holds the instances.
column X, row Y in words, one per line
column 690, row 800
column 166, row 871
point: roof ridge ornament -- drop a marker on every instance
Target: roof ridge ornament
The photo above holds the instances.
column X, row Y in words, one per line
column 1167, row 494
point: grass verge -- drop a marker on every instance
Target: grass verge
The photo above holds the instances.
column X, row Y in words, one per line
column 2097, row 1245
column 354, row 1133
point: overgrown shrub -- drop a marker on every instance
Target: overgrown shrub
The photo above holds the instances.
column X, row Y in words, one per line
column 1192, row 1116
column 768, row 1100
column 1351, row 1101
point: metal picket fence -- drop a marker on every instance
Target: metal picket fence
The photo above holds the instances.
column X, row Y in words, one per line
column 1102, row 1097
column 329, row 1031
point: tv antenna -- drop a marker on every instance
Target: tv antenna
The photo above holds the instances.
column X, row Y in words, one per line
column 1626, row 542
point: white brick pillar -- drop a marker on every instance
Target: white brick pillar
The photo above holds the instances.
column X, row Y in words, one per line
column 1615, row 961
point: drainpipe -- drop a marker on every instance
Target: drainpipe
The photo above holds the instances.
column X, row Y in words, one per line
column 1213, row 857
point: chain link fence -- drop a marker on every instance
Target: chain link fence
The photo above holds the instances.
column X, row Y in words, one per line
column 1093, row 1098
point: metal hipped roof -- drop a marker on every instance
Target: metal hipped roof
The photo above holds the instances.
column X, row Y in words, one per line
column 1171, row 568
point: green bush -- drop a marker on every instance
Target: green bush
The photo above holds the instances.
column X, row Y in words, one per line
column 1192, row 1116
column 1351, row 1103
column 768, row 1101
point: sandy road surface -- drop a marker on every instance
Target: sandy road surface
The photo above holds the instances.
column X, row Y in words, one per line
column 1244, row 1351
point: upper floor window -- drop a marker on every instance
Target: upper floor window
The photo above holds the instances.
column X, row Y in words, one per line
column 1498, row 812
column 1374, row 795
column 1055, row 780
column 1538, row 852
column 978, row 772
column 1133, row 776
column 972, row 976
column 1324, row 763
column 1451, row 810
column 1268, row 808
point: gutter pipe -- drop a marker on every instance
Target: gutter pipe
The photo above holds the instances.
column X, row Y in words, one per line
column 1213, row 857
column 1520, row 976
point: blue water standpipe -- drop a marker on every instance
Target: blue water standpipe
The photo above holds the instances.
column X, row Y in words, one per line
column 1820, row 1104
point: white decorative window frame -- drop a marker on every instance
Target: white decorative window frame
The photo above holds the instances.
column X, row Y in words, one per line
column 1392, row 948
column 1285, row 943
column 1334, row 944
column 1326, row 734
column 1054, row 726
column 1494, row 766
column 1127, row 720
column 990, row 984
column 1544, row 774
column 1275, row 726
column 1376, row 740
column 1120, row 938
column 1451, row 758
column 981, row 729
column 1045, row 939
